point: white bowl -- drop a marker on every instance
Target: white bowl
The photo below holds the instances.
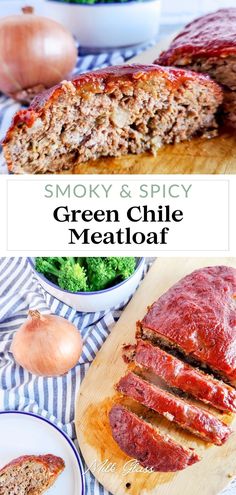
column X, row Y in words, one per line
column 108, row 25
column 90, row 302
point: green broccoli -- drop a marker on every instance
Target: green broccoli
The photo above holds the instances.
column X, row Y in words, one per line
column 73, row 277
column 124, row 266
column 86, row 274
column 105, row 272
column 66, row 272
column 50, row 267
column 100, row 274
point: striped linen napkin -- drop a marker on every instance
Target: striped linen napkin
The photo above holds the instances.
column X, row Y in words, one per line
column 52, row 398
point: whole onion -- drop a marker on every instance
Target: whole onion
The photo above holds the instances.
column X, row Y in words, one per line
column 35, row 53
column 47, row 345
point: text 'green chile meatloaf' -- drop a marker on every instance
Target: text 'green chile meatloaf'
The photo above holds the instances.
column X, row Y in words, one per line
column 110, row 112
column 208, row 45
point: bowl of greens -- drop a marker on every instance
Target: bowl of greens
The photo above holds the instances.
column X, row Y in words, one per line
column 89, row 284
column 104, row 24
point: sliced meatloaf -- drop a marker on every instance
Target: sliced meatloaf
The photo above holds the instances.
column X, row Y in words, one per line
column 208, row 45
column 138, row 439
column 182, row 376
column 30, row 474
column 197, row 316
column 110, row 112
column 184, row 414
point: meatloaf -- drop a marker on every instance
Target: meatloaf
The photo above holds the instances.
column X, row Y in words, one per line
column 197, row 316
column 187, row 416
column 110, row 112
column 208, row 45
column 138, row 439
column 182, row 376
column 30, row 474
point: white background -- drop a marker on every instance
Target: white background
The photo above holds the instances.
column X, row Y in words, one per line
column 31, row 229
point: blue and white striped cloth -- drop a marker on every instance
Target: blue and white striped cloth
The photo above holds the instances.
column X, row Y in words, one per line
column 52, row 398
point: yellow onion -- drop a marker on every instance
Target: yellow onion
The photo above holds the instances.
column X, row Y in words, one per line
column 47, row 345
column 35, row 53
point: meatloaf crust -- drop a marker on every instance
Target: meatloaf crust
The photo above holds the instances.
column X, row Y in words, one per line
column 138, row 439
column 110, row 112
column 181, row 376
column 211, row 35
column 208, row 45
column 187, row 416
column 197, row 316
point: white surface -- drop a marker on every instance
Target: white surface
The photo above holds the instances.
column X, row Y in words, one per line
column 108, row 25
column 9, row 7
column 31, row 230
column 182, row 11
column 98, row 301
column 23, row 434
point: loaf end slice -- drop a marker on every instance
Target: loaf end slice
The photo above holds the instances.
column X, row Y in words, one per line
column 208, row 45
column 30, row 474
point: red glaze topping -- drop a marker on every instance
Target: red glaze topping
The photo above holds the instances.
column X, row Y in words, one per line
column 211, row 35
column 198, row 315
column 106, row 81
column 138, row 439
column 181, row 375
column 186, row 415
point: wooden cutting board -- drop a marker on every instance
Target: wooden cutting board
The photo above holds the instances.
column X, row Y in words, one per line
column 97, row 394
column 198, row 156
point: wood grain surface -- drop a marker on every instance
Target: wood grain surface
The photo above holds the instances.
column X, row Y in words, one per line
column 97, row 394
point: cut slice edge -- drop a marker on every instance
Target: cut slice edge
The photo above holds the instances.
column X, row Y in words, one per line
column 180, row 375
column 144, row 442
column 156, row 338
column 84, row 119
column 189, row 417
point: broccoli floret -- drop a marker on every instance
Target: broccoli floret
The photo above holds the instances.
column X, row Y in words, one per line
column 66, row 272
column 124, row 266
column 86, row 274
column 100, row 275
column 50, row 267
column 73, row 277
column 104, row 272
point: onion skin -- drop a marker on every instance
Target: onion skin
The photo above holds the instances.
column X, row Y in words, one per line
column 47, row 345
column 35, row 53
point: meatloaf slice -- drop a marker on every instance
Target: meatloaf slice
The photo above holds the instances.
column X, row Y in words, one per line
column 182, row 376
column 110, row 112
column 138, row 439
column 192, row 418
column 197, row 316
column 208, row 45
column 30, row 474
